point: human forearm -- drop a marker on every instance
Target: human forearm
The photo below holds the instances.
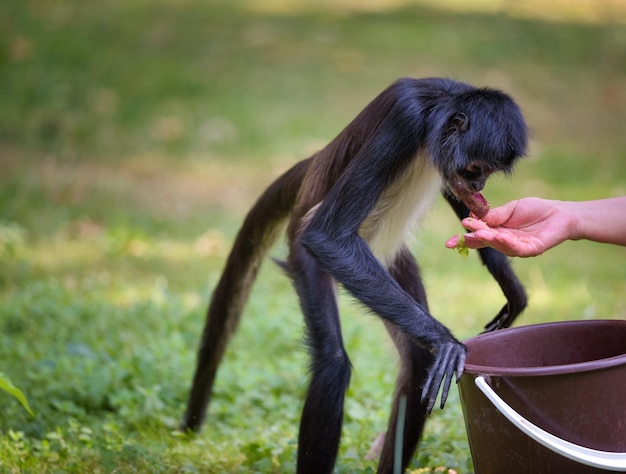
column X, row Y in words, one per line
column 602, row 220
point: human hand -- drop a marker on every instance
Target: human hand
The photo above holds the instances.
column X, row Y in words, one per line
column 523, row 228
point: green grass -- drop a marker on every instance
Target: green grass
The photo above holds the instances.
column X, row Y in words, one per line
column 133, row 137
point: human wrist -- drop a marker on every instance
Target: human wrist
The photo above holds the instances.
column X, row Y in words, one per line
column 574, row 220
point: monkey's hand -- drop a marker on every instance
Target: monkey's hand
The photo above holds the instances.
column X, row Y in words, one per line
column 516, row 299
column 506, row 316
column 450, row 358
column 502, row 320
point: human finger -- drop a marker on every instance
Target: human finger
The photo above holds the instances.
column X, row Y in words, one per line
column 499, row 215
column 474, row 224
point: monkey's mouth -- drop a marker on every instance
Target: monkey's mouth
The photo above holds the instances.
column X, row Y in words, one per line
column 475, row 201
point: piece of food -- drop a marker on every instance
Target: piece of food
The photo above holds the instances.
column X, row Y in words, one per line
column 461, row 247
column 476, row 202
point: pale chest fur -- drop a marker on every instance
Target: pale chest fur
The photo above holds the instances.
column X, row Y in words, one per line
column 400, row 208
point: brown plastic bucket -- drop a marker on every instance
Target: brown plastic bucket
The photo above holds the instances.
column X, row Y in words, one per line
column 547, row 398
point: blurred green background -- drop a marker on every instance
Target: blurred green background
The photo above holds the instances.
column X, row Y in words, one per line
column 135, row 134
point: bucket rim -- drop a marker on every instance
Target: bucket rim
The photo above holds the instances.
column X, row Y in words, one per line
column 597, row 364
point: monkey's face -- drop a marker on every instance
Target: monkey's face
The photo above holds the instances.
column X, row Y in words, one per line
column 488, row 137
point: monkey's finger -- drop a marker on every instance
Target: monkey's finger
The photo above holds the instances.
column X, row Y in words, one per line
column 429, row 396
column 495, row 323
column 432, row 396
column 436, row 376
column 446, row 380
column 430, row 390
column 446, row 387
column 502, row 320
column 460, row 366
column 452, row 368
column 429, row 381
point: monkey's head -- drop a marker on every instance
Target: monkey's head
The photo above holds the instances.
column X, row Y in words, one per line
column 475, row 134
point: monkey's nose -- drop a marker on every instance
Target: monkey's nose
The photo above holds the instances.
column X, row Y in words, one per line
column 477, row 185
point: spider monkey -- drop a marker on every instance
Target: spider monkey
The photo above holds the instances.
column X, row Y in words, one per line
column 349, row 209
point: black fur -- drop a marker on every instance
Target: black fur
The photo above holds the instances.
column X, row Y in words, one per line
column 466, row 133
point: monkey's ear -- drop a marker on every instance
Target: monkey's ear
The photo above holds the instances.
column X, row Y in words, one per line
column 460, row 121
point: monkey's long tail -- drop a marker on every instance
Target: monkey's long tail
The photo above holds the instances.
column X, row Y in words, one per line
column 259, row 231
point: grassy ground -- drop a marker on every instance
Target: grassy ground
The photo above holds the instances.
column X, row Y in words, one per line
column 133, row 137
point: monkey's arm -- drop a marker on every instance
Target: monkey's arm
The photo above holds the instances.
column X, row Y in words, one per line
column 500, row 268
column 332, row 239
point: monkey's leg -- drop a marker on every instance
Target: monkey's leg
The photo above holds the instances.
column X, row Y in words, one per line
column 415, row 361
column 322, row 416
column 499, row 266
